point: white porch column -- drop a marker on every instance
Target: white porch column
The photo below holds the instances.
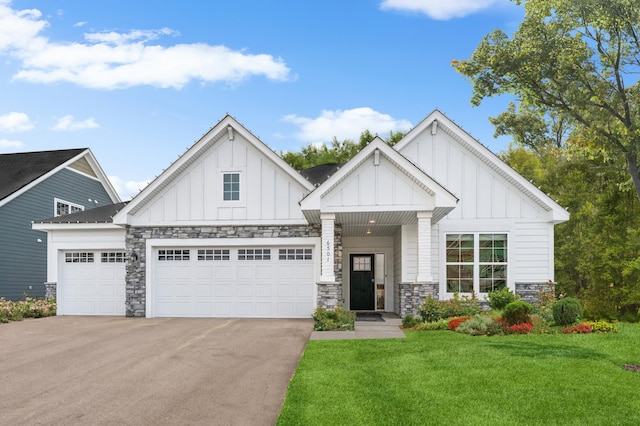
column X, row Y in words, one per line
column 327, row 271
column 424, row 247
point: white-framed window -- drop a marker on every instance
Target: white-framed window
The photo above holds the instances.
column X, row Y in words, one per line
column 476, row 262
column 254, row 254
column 213, row 254
column 231, row 186
column 112, row 257
column 62, row 207
column 173, row 254
column 78, row 257
column 295, row 254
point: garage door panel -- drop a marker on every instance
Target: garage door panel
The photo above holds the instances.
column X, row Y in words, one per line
column 89, row 286
column 235, row 283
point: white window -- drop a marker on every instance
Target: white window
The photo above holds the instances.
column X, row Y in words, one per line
column 476, row 262
column 62, row 207
column 231, row 186
column 213, row 254
column 112, row 257
column 78, row 257
column 254, row 254
column 294, row 254
column 173, row 254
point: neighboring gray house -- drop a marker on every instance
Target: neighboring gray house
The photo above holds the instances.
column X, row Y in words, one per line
column 231, row 230
column 35, row 186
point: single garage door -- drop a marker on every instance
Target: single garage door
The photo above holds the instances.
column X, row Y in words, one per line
column 264, row 282
column 92, row 283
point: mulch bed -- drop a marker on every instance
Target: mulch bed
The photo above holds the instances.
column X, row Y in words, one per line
column 632, row 367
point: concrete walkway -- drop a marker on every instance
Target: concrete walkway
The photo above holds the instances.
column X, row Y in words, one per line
column 387, row 329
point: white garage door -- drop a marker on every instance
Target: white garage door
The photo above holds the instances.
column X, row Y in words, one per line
column 269, row 282
column 92, row 283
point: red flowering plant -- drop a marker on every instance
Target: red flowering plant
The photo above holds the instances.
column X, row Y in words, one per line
column 524, row 328
column 455, row 322
column 581, row 328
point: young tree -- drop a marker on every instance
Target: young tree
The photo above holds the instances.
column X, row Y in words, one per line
column 578, row 61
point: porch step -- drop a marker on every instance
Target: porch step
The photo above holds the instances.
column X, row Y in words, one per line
column 387, row 329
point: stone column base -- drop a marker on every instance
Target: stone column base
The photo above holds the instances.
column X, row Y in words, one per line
column 413, row 294
column 50, row 290
column 329, row 294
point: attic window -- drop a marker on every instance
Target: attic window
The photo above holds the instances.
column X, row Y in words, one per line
column 64, row 207
column 231, row 186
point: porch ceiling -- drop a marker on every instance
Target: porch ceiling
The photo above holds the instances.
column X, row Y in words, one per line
column 373, row 224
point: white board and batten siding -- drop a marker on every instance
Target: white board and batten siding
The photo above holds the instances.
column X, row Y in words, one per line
column 267, row 194
column 488, row 202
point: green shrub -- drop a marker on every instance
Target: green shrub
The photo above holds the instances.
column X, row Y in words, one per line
column 461, row 306
column 516, row 313
column 433, row 326
column 567, row 311
column 546, row 300
column 480, row 325
column 410, row 321
column 28, row 308
column 498, row 299
column 333, row 319
column 431, row 310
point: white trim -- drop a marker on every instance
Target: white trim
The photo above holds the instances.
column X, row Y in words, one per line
column 153, row 243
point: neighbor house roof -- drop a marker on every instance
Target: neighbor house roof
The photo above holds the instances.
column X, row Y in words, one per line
column 318, row 174
column 103, row 214
column 20, row 169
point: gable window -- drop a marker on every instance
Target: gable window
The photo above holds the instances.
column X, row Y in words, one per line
column 476, row 262
column 64, row 207
column 231, row 186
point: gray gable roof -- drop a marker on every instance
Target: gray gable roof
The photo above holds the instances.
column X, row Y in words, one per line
column 20, row 169
column 103, row 214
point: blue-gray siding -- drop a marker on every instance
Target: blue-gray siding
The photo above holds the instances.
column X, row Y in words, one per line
column 23, row 260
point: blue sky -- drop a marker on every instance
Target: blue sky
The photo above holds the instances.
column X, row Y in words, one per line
column 139, row 82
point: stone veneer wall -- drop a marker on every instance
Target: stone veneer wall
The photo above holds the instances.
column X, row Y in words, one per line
column 528, row 291
column 408, row 296
column 330, row 295
column 136, row 250
column 50, row 290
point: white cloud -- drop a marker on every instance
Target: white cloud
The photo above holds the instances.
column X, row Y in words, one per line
column 80, row 24
column 15, row 122
column 7, row 145
column 128, row 189
column 113, row 60
column 441, row 9
column 68, row 124
column 345, row 124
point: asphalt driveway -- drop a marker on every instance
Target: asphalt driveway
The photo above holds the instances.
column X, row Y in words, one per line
column 138, row 371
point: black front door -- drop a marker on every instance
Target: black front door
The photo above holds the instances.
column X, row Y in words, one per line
column 362, row 294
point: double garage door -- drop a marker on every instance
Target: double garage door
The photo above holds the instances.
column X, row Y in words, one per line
column 91, row 283
column 259, row 282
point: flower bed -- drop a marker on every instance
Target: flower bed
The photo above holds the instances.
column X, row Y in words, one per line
column 30, row 307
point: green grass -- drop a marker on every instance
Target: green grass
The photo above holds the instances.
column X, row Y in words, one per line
column 441, row 377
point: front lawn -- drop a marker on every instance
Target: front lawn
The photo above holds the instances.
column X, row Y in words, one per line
column 441, row 377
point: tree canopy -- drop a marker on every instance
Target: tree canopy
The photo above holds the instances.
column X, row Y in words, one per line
column 339, row 152
column 572, row 64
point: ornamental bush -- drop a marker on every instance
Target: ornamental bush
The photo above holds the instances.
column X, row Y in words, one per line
column 523, row 328
column 461, row 306
column 480, row 325
column 602, row 327
column 516, row 313
column 410, row 321
column 443, row 324
column 567, row 311
column 336, row 319
column 454, row 323
column 431, row 310
column 498, row 299
column 581, row 328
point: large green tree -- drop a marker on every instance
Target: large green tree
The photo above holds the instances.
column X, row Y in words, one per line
column 336, row 153
column 575, row 62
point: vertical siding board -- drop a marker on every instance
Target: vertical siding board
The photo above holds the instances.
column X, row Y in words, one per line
column 23, row 260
